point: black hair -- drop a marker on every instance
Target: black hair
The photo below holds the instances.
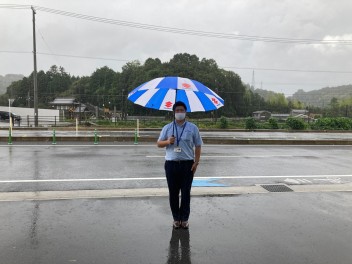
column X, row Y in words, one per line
column 179, row 103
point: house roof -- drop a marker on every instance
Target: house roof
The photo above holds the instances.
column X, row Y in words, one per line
column 64, row 101
column 260, row 112
column 280, row 115
column 303, row 111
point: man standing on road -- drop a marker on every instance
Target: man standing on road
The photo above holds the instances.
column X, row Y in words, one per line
column 183, row 147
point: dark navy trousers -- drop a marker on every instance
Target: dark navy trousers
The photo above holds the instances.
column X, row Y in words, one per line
column 179, row 178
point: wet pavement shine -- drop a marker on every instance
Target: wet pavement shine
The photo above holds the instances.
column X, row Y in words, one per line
column 311, row 224
column 263, row 228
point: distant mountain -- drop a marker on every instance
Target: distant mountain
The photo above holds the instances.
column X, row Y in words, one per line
column 264, row 93
column 6, row 80
column 322, row 97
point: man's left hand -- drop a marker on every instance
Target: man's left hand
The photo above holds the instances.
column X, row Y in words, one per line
column 194, row 167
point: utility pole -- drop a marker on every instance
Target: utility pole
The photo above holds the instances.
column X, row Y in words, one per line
column 35, row 72
column 253, row 81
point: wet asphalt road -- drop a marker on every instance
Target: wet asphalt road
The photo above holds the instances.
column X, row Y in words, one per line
column 80, row 167
column 154, row 133
column 256, row 228
column 268, row 229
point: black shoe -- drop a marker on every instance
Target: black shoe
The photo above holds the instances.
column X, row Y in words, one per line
column 176, row 224
column 185, row 224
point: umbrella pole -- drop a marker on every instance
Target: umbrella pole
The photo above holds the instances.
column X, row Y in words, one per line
column 173, row 119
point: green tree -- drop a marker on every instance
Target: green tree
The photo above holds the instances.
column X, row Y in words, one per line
column 334, row 107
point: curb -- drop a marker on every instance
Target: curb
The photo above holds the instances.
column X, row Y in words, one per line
column 163, row 192
column 206, row 140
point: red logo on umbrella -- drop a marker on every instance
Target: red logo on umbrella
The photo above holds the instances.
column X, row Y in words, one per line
column 215, row 101
column 186, row 85
column 168, row 104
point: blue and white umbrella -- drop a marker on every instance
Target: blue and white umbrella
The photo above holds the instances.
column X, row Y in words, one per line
column 161, row 93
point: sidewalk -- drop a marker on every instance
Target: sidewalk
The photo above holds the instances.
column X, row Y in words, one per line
column 163, row 192
column 289, row 228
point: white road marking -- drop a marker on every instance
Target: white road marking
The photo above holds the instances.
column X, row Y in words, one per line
column 148, row 144
column 232, row 156
column 338, row 180
column 292, row 181
column 58, row 146
column 304, row 180
column 163, row 178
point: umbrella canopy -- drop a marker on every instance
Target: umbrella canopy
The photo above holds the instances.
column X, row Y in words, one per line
column 161, row 93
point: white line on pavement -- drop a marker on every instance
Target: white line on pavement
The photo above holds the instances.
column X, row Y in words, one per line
column 148, row 144
column 78, row 145
column 163, row 178
column 232, row 156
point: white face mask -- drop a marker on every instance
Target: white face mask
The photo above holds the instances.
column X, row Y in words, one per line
column 180, row 116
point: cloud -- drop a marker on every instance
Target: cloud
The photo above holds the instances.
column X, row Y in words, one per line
column 315, row 19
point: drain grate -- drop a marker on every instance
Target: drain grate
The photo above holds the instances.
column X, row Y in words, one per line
column 276, row 188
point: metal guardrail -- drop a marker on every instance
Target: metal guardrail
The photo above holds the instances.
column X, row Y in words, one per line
column 29, row 121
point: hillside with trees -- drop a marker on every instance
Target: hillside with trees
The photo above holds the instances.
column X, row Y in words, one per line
column 108, row 88
column 322, row 97
column 6, row 80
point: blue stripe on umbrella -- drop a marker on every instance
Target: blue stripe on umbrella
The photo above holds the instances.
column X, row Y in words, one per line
column 207, row 104
column 182, row 96
column 168, row 83
column 136, row 95
column 157, row 99
column 202, row 88
column 136, row 89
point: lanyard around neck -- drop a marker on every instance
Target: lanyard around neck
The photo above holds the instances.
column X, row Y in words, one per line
column 178, row 139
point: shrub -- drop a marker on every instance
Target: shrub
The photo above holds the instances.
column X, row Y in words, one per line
column 339, row 123
column 273, row 123
column 295, row 123
column 251, row 123
column 223, row 122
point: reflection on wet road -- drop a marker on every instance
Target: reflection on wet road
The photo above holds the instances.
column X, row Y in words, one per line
column 82, row 167
column 179, row 248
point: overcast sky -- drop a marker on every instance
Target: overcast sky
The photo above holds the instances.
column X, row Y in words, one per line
column 291, row 19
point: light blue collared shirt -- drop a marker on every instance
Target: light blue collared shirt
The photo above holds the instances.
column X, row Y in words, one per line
column 190, row 138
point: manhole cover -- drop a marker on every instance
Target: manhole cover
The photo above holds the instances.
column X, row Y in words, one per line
column 276, row 188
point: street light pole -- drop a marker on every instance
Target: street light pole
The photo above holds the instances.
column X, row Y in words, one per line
column 35, row 72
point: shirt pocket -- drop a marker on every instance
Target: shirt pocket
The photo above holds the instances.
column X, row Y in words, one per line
column 187, row 135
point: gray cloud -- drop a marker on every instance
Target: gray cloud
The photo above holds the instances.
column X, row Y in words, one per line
column 314, row 19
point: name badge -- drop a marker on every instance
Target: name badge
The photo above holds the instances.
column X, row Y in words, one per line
column 178, row 150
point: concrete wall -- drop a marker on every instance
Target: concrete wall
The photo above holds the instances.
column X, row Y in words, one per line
column 45, row 116
column 21, row 111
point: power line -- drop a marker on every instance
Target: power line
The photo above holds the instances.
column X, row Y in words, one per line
column 288, row 70
column 184, row 31
column 191, row 32
column 225, row 67
column 82, row 57
column 11, row 51
column 64, row 55
column 46, row 43
column 13, row 6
